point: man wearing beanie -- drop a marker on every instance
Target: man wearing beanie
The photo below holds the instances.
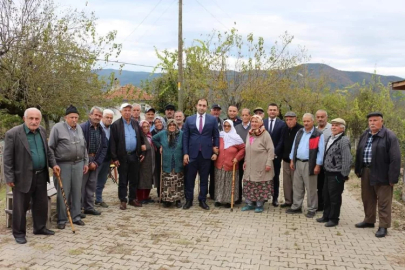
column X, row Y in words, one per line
column 68, row 145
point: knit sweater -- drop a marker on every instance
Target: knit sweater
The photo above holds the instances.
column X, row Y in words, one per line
column 338, row 157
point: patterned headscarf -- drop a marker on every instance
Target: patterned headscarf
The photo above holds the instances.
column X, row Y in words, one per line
column 147, row 135
column 171, row 136
column 163, row 123
column 259, row 131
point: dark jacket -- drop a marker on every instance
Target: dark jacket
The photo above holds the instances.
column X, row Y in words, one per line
column 102, row 148
column 117, row 140
column 276, row 135
column 18, row 168
column 385, row 157
column 288, row 140
column 313, row 148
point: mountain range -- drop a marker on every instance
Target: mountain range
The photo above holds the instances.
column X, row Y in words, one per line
column 339, row 78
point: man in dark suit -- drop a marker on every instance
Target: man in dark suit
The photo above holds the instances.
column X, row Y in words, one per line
column 275, row 126
column 26, row 161
column 126, row 146
column 200, row 146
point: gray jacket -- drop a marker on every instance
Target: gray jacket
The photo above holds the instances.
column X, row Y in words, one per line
column 66, row 147
column 338, row 157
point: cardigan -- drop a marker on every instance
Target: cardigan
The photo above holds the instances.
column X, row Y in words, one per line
column 258, row 155
column 225, row 157
column 161, row 139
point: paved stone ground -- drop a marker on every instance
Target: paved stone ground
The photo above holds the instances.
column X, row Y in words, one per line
column 159, row 238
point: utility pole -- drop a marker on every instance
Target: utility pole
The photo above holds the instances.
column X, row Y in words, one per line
column 180, row 58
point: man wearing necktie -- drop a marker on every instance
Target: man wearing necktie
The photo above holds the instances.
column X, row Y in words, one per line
column 200, row 146
column 275, row 126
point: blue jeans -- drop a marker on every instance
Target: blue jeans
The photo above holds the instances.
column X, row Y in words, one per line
column 103, row 171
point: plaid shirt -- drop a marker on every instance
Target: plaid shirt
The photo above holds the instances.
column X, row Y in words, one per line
column 95, row 139
column 367, row 154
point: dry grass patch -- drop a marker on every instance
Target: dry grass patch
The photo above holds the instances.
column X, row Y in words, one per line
column 119, row 249
column 77, row 251
column 183, row 242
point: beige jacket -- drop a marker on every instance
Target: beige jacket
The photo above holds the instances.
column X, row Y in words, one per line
column 258, row 155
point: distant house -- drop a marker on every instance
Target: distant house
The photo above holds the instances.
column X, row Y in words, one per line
column 399, row 85
column 130, row 94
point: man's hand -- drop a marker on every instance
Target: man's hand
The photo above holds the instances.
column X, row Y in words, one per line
column 161, row 150
column 268, row 168
column 292, row 165
column 141, row 158
column 186, row 159
column 317, row 169
column 11, row 184
column 116, row 163
column 214, row 157
column 234, row 160
column 92, row 166
column 56, row 170
column 85, row 169
column 215, row 150
column 143, row 147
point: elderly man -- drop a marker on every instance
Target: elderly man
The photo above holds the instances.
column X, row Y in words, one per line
column 126, row 146
column 275, row 126
column 288, row 139
column 336, row 163
column 96, row 142
column 68, row 145
column 243, row 130
column 306, row 160
column 104, row 168
column 378, row 163
column 26, row 161
column 136, row 112
column 259, row 111
column 216, row 111
column 179, row 117
column 233, row 115
column 325, row 127
column 169, row 112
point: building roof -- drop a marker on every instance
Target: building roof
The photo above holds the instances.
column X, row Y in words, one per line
column 399, row 85
column 129, row 93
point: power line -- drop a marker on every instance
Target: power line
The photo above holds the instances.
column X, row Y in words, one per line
column 216, row 3
column 212, row 14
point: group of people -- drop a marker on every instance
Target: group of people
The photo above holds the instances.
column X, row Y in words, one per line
column 234, row 158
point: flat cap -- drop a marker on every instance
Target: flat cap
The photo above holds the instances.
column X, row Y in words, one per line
column 290, row 114
column 71, row 109
column 170, row 107
column 216, row 106
column 124, row 105
column 374, row 114
column 258, row 109
column 150, row 109
column 338, row 121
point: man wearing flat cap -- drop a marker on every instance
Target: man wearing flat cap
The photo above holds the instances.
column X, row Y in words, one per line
column 68, row 145
column 150, row 116
column 259, row 111
column 169, row 112
column 336, row 163
column 378, row 163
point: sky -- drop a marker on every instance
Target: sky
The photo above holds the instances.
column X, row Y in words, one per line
column 352, row 35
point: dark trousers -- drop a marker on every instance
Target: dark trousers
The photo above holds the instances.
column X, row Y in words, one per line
column 332, row 196
column 372, row 196
column 276, row 179
column 320, row 187
column 202, row 166
column 241, row 171
column 128, row 178
column 21, row 202
column 211, row 189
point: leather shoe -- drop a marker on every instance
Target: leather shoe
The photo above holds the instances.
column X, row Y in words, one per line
column 204, row 205
column 92, row 212
column 330, row 223
column 217, row 204
column 275, row 203
column 284, row 205
column 135, row 203
column 79, row 222
column 187, row 205
column 61, row 226
column 178, row 204
column 322, row 220
column 310, row 214
column 45, row 232
column 21, row 240
column 364, row 225
column 82, row 216
column 123, row 206
column 293, row 211
column 382, row 232
column 238, row 202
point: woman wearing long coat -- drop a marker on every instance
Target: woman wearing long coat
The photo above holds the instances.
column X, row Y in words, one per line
column 147, row 166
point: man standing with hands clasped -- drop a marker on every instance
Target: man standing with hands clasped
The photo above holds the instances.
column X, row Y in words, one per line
column 378, row 163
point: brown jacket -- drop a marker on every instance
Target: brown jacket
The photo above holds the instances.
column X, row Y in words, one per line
column 258, row 155
column 225, row 157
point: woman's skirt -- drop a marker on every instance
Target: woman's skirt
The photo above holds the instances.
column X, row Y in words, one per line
column 223, row 186
column 258, row 191
column 173, row 187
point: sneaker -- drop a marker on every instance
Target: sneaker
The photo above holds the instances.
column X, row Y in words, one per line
column 259, row 209
column 248, row 207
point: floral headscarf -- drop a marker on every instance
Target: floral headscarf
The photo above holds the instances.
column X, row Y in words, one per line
column 163, row 123
column 172, row 136
column 259, row 131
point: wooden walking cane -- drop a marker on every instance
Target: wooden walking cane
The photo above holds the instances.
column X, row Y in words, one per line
column 233, row 186
column 161, row 178
column 64, row 199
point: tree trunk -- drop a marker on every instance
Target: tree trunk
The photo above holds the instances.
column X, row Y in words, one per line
column 47, row 127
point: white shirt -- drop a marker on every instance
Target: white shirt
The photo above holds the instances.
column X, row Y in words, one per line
column 197, row 123
column 332, row 139
column 247, row 126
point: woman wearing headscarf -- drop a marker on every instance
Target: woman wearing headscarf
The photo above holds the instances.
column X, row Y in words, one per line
column 170, row 142
column 159, row 124
column 147, row 166
column 258, row 166
column 231, row 151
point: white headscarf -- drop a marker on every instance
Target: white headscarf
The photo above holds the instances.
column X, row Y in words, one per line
column 231, row 138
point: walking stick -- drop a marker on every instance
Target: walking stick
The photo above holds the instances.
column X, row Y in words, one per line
column 161, row 178
column 233, row 186
column 66, row 204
